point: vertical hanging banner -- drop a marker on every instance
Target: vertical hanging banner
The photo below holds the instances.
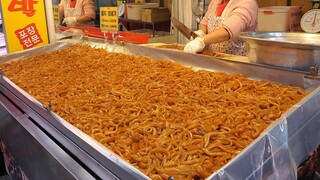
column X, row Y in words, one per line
column 25, row 24
column 109, row 18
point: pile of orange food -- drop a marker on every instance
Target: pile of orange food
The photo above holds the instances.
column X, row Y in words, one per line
column 180, row 47
column 163, row 118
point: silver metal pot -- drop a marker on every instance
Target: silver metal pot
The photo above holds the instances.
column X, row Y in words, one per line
column 292, row 50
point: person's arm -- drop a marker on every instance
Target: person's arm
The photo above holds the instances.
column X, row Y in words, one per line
column 198, row 44
column 203, row 28
column 217, row 36
column 242, row 16
column 89, row 12
column 84, row 19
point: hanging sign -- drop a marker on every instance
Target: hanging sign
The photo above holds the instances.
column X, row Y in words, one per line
column 119, row 3
column 109, row 18
column 25, row 24
column 56, row 19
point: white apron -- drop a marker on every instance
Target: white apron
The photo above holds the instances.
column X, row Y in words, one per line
column 76, row 12
column 232, row 46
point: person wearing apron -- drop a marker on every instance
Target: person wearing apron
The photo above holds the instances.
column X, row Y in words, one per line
column 221, row 24
column 77, row 12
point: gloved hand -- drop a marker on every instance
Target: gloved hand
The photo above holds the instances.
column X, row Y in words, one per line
column 70, row 21
column 199, row 33
column 194, row 46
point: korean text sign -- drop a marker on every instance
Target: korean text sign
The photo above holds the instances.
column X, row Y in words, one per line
column 108, row 18
column 56, row 19
column 25, row 24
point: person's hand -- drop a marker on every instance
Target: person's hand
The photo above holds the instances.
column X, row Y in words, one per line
column 194, row 46
column 70, row 21
column 199, row 33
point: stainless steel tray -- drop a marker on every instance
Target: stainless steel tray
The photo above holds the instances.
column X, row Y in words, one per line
column 267, row 156
column 291, row 50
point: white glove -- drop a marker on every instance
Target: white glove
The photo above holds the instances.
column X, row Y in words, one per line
column 70, row 21
column 199, row 33
column 194, row 46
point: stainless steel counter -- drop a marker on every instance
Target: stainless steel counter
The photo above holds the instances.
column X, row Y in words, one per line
column 274, row 154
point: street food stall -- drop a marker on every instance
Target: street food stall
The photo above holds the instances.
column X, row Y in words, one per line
column 100, row 104
column 43, row 136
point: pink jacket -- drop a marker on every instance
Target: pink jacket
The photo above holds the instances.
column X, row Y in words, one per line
column 240, row 16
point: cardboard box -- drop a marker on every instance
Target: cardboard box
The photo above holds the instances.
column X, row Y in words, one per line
column 133, row 10
column 155, row 14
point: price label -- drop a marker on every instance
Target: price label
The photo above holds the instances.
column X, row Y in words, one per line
column 139, row 1
column 108, row 18
column 56, row 19
column 119, row 3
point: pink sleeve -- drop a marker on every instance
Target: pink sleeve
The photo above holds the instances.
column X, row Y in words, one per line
column 243, row 17
column 204, row 20
column 61, row 8
column 89, row 9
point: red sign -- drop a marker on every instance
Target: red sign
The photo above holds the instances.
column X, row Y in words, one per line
column 26, row 6
column 29, row 36
column 26, row 23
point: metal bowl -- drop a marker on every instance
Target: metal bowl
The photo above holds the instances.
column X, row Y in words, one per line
column 292, row 50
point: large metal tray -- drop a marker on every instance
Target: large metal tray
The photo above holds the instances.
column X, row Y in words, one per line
column 267, row 157
column 291, row 50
